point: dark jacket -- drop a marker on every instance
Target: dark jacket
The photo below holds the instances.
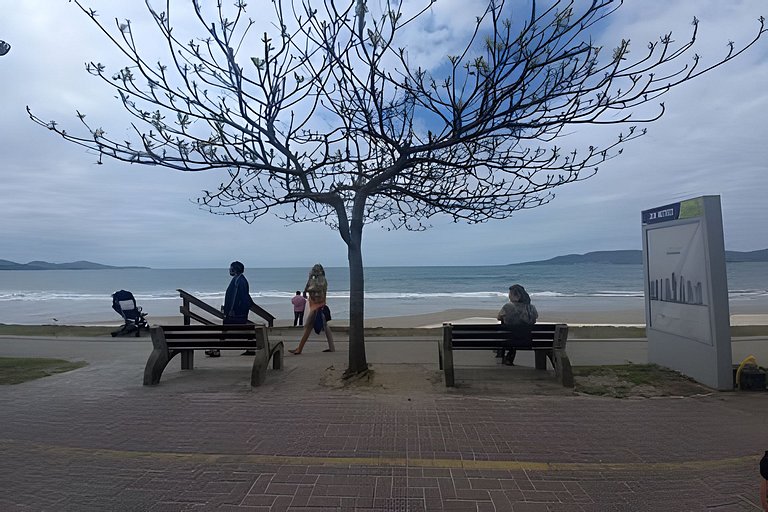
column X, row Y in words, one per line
column 237, row 300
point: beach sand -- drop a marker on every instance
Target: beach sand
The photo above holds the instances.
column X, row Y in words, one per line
column 433, row 320
column 623, row 319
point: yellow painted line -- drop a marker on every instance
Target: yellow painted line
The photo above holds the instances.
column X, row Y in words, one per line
column 400, row 462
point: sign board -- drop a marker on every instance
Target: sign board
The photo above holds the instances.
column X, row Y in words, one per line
column 686, row 290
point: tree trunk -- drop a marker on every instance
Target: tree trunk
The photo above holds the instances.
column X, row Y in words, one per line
column 357, row 360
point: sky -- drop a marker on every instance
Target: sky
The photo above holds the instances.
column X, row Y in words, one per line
column 57, row 205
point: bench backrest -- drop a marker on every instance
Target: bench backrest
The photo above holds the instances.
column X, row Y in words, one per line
column 490, row 336
column 236, row 337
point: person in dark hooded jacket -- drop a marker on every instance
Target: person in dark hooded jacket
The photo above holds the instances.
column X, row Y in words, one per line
column 237, row 302
column 517, row 312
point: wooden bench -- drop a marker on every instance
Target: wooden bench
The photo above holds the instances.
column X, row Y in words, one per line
column 546, row 340
column 185, row 339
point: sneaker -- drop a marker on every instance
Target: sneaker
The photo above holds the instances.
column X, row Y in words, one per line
column 249, row 353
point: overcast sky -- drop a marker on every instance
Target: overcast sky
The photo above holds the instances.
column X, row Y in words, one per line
column 57, row 205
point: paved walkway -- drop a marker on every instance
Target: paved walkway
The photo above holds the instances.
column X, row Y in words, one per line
column 507, row 439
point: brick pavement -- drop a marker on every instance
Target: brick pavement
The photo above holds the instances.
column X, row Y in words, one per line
column 96, row 439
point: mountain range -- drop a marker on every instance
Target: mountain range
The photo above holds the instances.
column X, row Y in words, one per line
column 623, row 257
column 44, row 265
column 635, row 257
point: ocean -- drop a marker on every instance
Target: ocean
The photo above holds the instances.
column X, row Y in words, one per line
column 77, row 296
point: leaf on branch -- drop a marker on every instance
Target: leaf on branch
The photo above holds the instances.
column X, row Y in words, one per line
column 374, row 37
column 259, row 63
column 621, row 51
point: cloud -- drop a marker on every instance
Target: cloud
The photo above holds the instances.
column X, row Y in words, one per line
column 56, row 204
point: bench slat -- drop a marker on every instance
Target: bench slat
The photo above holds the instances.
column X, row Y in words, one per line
column 484, row 345
column 212, row 336
column 212, row 328
column 496, row 327
column 222, row 345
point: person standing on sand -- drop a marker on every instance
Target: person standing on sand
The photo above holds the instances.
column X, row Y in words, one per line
column 299, row 304
column 319, row 314
column 237, row 302
column 517, row 312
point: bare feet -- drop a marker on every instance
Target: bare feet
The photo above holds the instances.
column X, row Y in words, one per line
column 294, row 351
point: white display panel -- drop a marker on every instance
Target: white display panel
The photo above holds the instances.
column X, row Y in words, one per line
column 678, row 287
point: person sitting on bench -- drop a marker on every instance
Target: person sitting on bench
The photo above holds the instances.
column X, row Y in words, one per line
column 518, row 311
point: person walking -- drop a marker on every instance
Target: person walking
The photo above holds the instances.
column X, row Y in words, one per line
column 319, row 313
column 237, row 302
column 299, row 304
column 517, row 312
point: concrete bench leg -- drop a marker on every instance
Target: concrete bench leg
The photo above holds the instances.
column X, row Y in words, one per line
column 563, row 368
column 187, row 359
column 540, row 358
column 277, row 357
column 156, row 363
column 259, row 371
column 447, row 360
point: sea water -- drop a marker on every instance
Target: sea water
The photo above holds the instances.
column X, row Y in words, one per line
column 74, row 296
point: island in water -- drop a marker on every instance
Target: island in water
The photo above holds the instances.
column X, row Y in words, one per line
column 635, row 257
column 44, row 265
column 622, row 257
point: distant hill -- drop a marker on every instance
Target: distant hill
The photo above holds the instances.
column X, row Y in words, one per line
column 635, row 257
column 738, row 257
column 44, row 265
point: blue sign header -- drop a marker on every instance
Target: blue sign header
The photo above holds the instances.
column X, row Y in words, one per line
column 662, row 214
column 687, row 209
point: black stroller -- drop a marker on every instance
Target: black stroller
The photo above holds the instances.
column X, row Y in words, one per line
column 125, row 304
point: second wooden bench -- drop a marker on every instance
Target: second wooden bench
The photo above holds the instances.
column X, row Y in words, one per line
column 546, row 340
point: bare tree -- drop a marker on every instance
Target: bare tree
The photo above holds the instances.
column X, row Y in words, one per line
column 332, row 121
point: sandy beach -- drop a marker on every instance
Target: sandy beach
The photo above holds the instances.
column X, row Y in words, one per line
column 618, row 318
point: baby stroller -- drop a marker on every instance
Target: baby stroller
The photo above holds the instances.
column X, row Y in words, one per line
column 125, row 304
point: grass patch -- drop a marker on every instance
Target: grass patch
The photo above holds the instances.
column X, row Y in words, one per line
column 15, row 370
column 634, row 380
